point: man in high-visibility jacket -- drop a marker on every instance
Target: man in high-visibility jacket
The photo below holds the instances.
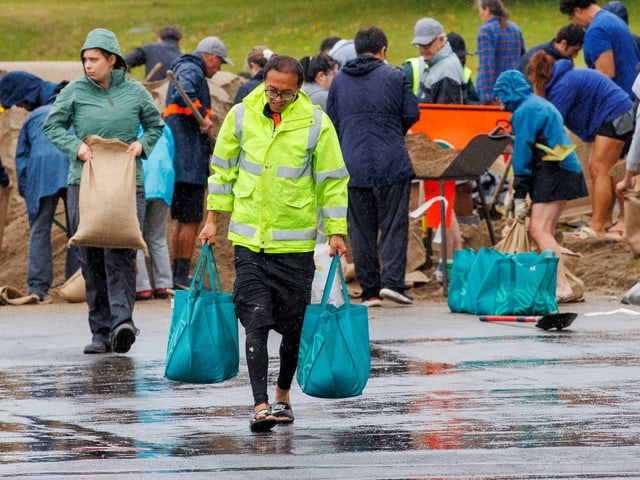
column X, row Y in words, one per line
column 277, row 164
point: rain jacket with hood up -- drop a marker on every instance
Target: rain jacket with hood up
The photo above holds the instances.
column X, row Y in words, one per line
column 372, row 139
column 534, row 120
column 41, row 168
column 116, row 112
column 193, row 149
column 274, row 180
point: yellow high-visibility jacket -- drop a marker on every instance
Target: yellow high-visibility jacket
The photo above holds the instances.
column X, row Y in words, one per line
column 277, row 180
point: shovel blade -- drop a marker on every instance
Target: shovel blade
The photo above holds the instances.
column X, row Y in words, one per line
column 545, row 322
column 556, row 320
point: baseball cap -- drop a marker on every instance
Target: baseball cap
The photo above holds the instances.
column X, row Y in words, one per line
column 426, row 30
column 457, row 44
column 214, row 46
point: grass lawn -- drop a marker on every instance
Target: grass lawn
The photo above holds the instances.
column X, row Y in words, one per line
column 55, row 30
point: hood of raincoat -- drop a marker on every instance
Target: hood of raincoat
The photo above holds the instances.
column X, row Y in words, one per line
column 18, row 86
column 361, row 65
column 512, row 89
column 106, row 40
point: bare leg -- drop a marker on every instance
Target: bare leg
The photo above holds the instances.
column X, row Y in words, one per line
column 604, row 155
column 454, row 237
column 544, row 217
column 183, row 241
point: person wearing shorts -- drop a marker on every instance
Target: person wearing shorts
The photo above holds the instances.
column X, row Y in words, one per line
column 549, row 184
column 597, row 110
column 192, row 146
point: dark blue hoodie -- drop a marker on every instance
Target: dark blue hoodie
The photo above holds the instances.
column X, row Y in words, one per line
column 586, row 98
column 41, row 168
column 372, row 107
column 17, row 87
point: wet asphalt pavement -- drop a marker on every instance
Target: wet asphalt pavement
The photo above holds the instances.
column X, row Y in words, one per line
column 449, row 397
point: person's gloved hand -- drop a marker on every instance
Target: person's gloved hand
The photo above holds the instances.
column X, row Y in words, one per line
column 520, row 210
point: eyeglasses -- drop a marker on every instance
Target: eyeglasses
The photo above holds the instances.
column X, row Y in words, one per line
column 273, row 94
column 422, row 46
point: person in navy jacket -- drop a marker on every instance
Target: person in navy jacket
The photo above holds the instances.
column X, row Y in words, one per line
column 372, row 107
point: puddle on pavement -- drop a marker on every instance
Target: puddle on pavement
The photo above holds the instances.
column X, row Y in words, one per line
column 581, row 390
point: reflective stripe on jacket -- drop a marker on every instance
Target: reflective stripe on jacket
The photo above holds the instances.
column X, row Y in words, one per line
column 175, row 109
column 276, row 180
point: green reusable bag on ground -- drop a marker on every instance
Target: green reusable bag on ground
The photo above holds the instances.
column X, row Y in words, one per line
column 203, row 339
column 493, row 283
column 335, row 358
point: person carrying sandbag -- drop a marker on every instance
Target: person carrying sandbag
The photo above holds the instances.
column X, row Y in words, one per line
column 104, row 103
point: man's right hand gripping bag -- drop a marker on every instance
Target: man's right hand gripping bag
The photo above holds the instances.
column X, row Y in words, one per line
column 493, row 283
column 203, row 339
column 335, row 357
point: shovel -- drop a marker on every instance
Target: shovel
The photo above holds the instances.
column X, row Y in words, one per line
column 196, row 113
column 555, row 154
column 545, row 322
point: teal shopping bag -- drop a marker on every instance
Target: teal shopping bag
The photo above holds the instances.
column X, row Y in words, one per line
column 203, row 338
column 489, row 282
column 519, row 284
column 335, row 358
column 458, row 292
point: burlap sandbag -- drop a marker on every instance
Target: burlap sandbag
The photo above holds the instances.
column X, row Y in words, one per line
column 515, row 239
column 107, row 199
column 632, row 220
column 571, row 260
column 4, row 207
column 73, row 290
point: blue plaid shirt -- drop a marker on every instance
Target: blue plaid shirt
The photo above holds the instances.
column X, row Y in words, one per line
column 498, row 49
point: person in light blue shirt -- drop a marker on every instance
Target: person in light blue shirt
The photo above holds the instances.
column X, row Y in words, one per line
column 159, row 179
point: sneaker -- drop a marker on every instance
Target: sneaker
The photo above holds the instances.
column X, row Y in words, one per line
column 123, row 337
column 397, row 297
column 372, row 302
column 181, row 283
column 161, row 293
column 144, row 295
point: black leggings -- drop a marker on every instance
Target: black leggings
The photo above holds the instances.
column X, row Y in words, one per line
column 258, row 361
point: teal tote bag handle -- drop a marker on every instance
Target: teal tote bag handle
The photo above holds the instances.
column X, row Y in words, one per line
column 206, row 262
column 335, row 265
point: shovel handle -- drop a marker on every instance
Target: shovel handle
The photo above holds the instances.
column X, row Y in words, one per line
column 509, row 318
column 196, row 113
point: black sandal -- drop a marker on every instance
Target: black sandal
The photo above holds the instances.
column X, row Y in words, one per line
column 262, row 421
column 283, row 412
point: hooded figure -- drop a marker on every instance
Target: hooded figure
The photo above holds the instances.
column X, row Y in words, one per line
column 105, row 103
column 550, row 184
column 105, row 40
column 534, row 120
column 41, row 170
column 21, row 87
column 114, row 112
